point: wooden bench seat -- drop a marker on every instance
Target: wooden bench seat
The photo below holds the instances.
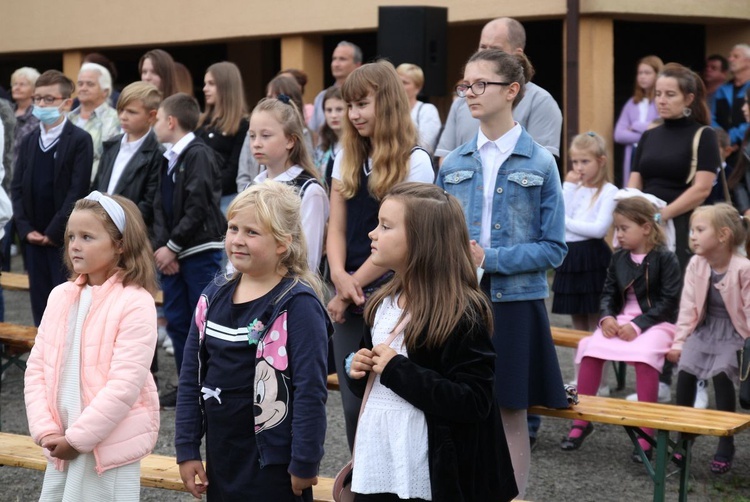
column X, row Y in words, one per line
column 157, row 471
column 664, row 418
column 13, row 281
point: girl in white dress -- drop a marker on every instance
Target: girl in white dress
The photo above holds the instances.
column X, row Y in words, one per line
column 430, row 429
column 91, row 401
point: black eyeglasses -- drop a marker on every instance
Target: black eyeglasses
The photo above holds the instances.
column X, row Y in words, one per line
column 477, row 87
column 48, row 100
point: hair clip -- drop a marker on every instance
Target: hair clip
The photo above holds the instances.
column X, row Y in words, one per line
column 284, row 98
column 591, row 133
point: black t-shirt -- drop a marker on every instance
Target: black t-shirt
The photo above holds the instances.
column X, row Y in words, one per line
column 664, row 153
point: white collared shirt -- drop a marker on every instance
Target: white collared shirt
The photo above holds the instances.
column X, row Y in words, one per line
column 49, row 137
column 314, row 212
column 127, row 150
column 493, row 154
column 174, row 152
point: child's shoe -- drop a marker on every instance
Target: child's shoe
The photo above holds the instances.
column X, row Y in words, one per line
column 701, row 396
column 573, row 443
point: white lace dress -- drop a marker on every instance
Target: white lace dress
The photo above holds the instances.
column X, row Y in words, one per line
column 391, row 443
column 79, row 482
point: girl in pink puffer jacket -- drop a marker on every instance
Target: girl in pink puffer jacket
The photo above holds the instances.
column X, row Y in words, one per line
column 90, row 398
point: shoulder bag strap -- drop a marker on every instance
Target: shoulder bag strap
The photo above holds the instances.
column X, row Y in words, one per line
column 694, row 158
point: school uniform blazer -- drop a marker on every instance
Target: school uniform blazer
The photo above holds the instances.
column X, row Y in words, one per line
column 119, row 419
column 734, row 289
column 140, row 178
column 454, row 386
column 73, row 161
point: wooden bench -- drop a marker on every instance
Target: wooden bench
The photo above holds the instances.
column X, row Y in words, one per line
column 157, row 471
column 566, row 337
column 664, row 418
column 20, row 282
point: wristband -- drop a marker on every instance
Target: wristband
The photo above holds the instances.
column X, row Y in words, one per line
column 348, row 363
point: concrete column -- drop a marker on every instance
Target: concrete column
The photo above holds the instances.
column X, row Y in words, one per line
column 305, row 52
column 72, row 61
column 596, row 80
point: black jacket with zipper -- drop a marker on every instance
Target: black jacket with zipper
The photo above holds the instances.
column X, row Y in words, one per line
column 657, row 282
column 198, row 224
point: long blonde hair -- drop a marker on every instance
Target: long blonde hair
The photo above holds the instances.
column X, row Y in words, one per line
column 440, row 281
column 277, row 209
column 394, row 135
column 290, row 118
column 591, row 142
column 723, row 215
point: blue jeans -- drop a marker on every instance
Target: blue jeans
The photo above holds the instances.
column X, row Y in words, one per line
column 181, row 293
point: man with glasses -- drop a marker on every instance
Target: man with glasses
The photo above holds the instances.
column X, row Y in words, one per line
column 537, row 112
column 52, row 171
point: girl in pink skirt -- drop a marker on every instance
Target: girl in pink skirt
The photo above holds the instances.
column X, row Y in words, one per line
column 638, row 308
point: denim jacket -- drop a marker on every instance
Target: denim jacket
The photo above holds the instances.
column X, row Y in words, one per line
column 528, row 215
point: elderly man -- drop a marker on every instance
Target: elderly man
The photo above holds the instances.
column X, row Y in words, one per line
column 537, row 112
column 347, row 57
column 95, row 115
column 726, row 111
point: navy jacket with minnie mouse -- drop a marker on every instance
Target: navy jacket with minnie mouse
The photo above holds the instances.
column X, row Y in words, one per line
column 291, row 346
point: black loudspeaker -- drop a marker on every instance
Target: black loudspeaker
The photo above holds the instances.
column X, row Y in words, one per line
column 416, row 35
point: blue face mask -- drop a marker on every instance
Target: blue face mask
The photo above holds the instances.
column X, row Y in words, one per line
column 47, row 115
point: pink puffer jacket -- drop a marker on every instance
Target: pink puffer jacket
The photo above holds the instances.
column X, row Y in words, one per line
column 119, row 419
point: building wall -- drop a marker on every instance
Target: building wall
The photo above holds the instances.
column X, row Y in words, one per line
column 149, row 23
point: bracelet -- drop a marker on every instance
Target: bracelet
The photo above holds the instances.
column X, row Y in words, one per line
column 348, row 363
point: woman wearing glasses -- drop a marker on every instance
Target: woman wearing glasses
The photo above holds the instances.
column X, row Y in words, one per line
column 512, row 197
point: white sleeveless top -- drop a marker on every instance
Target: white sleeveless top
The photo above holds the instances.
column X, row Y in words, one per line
column 391, row 444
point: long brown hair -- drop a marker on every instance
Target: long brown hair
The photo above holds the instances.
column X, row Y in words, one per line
column 690, row 82
column 641, row 212
column 440, row 282
column 229, row 108
column 164, row 67
column 136, row 262
column 513, row 67
column 393, row 137
column 657, row 65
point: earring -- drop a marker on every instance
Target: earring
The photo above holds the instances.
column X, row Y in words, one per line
column 687, row 111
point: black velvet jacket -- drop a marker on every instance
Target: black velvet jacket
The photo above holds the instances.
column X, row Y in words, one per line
column 454, row 387
column 657, row 283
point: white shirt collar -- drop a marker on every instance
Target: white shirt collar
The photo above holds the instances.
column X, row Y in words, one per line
column 178, row 147
column 287, row 175
column 504, row 143
column 54, row 132
column 132, row 145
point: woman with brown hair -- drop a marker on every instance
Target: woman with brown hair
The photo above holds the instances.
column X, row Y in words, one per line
column 157, row 67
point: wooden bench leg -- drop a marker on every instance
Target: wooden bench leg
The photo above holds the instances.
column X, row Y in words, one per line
column 664, row 450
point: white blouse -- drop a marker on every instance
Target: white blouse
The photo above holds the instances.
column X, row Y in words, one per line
column 391, row 445
column 584, row 220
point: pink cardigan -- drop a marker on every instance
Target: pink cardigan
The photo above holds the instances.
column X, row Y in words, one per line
column 734, row 289
column 119, row 421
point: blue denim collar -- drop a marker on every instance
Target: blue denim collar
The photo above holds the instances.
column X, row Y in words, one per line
column 524, row 146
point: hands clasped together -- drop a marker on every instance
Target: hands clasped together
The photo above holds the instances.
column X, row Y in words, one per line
column 371, row 360
column 611, row 329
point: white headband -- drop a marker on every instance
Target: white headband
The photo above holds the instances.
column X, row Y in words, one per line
column 113, row 209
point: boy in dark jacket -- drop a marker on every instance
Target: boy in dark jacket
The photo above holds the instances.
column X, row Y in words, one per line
column 52, row 171
column 130, row 162
column 188, row 224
